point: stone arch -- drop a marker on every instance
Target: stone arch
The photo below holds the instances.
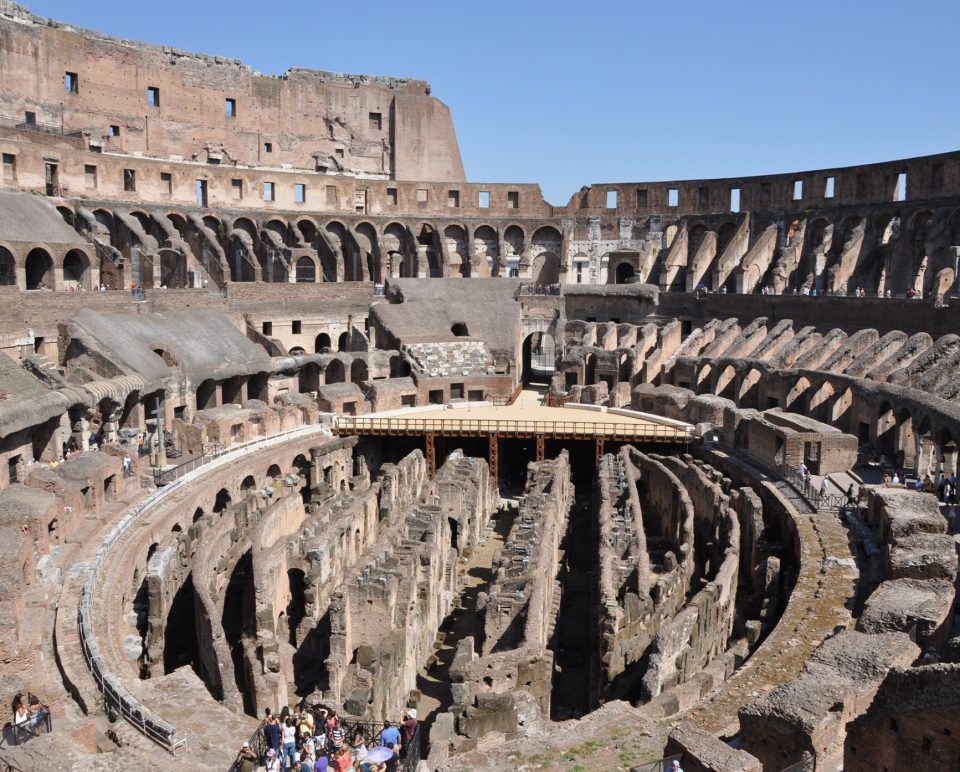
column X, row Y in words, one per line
column 748, row 393
column 545, row 269
column 797, row 395
column 624, row 273
column 207, row 394
column 726, row 383
column 247, row 225
column 366, row 236
column 840, row 410
column 145, row 220
column 395, row 246
column 429, row 247
column 547, row 238
column 8, row 268
column 248, row 483
column 539, row 357
column 274, row 472
column 39, row 269
column 306, row 270
column 280, row 227
column 308, row 230
column 258, row 386
column 702, row 378
column 214, row 224
column 456, row 241
column 819, row 402
column 514, row 240
column 221, row 501
column 486, row 245
column 309, row 377
column 335, row 372
column 358, row 371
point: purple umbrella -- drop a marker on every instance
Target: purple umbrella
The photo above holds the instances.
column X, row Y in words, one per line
column 379, row 753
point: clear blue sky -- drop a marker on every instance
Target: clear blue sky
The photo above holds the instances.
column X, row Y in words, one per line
column 567, row 94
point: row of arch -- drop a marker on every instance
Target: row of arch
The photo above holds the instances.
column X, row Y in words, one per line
column 895, row 425
column 44, row 267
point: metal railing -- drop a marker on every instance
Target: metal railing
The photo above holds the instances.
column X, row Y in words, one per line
column 478, row 427
column 551, row 290
column 811, row 494
column 163, row 477
column 660, row 765
column 18, row 734
column 9, row 766
column 258, row 744
column 116, row 697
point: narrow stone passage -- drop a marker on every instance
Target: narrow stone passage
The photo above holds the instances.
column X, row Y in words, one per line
column 574, row 637
column 433, row 680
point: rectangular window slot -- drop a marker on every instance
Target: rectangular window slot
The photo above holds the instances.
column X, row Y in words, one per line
column 299, row 193
column 129, row 180
column 30, row 118
column 268, row 191
column 422, row 196
column 391, row 196
column 332, row 196
column 936, row 178
column 267, row 147
column 798, row 190
column 267, row 328
column 166, row 183
column 236, row 190
column 641, row 198
column 360, row 201
column 90, row 176
column 830, row 187
column 297, row 327
column 734, row 199
column 376, row 121
column 153, row 96
column 201, row 190
column 483, row 199
column 513, row 199
column 673, row 197
column 9, row 167
column 900, row 194
column 453, row 199
column 72, row 83
column 611, row 199
column 230, row 105
column 114, row 131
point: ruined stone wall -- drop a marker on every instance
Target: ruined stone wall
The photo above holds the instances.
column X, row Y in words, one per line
column 384, row 618
column 508, row 671
column 352, row 123
column 687, row 642
column 912, row 722
column 919, row 568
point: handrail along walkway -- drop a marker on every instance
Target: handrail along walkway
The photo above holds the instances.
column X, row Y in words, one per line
column 115, row 694
column 466, row 427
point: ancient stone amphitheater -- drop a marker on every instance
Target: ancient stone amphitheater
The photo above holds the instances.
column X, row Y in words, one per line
column 293, row 414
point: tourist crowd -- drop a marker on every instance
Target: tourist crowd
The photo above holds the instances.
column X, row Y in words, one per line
column 315, row 740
